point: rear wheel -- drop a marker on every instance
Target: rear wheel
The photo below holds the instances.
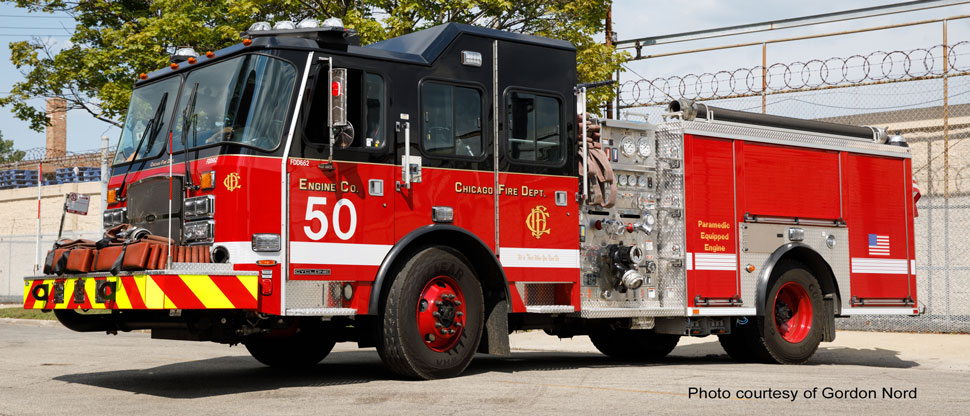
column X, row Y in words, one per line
column 628, row 344
column 432, row 317
column 791, row 329
column 303, row 349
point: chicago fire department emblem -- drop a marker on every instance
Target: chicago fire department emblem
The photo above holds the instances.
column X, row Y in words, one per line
column 232, row 182
column 536, row 221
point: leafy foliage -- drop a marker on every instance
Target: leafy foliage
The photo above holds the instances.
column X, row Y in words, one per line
column 115, row 40
column 7, row 152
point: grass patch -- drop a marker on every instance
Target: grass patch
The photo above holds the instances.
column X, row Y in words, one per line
column 18, row 313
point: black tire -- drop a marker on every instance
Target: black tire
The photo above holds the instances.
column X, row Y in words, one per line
column 633, row 345
column 736, row 345
column 402, row 346
column 304, row 349
column 765, row 340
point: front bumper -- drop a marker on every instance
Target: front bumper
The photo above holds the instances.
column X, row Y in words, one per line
column 144, row 290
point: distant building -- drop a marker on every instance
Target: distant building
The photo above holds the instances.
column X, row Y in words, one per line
column 923, row 128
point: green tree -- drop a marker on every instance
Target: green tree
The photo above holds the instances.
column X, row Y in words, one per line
column 115, row 40
column 7, row 152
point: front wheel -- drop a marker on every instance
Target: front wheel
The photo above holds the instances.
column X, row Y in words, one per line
column 432, row 317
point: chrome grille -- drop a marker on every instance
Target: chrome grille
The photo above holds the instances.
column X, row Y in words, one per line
column 148, row 205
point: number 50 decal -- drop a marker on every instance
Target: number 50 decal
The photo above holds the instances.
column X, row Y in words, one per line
column 312, row 214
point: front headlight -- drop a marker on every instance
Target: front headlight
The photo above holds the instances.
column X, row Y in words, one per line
column 113, row 217
column 199, row 207
column 200, row 231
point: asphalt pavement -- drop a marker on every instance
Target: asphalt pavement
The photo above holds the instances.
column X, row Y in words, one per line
column 46, row 369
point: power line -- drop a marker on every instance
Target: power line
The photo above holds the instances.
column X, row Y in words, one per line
column 35, row 16
column 32, row 35
column 31, row 28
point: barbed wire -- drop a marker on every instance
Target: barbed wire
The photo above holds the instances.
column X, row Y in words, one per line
column 57, row 158
column 814, row 74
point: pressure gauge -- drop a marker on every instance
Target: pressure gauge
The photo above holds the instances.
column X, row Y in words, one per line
column 650, row 220
column 642, row 181
column 631, row 180
column 622, row 180
column 644, row 147
column 627, row 146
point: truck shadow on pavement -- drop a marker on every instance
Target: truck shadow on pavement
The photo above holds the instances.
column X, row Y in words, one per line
column 687, row 355
column 235, row 374
column 241, row 374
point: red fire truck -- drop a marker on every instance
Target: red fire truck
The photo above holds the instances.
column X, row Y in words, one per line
column 428, row 195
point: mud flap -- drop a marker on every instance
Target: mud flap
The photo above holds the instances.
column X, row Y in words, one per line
column 495, row 340
column 828, row 335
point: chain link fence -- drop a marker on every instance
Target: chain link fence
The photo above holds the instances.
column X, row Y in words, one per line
column 922, row 94
column 17, row 254
column 19, row 213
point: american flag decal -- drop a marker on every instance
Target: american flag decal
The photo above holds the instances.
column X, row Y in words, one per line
column 878, row 245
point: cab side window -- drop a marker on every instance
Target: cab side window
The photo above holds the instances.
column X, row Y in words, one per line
column 365, row 111
column 535, row 132
column 374, row 110
column 452, row 120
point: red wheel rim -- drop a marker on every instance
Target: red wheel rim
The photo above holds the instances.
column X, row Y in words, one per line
column 793, row 312
column 441, row 313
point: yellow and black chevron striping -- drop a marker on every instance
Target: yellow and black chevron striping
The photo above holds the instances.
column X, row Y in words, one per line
column 143, row 292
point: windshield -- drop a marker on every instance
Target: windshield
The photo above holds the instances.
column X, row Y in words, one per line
column 143, row 106
column 242, row 100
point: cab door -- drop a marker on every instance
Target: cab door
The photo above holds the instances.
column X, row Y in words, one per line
column 538, row 211
column 448, row 142
column 340, row 209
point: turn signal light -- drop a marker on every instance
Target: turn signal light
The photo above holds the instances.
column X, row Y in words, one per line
column 266, row 262
column 749, row 268
column 112, row 195
column 208, row 180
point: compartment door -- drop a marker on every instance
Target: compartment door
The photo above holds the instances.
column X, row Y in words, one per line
column 712, row 256
column 877, row 196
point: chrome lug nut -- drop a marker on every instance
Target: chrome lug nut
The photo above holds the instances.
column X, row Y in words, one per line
column 459, row 313
column 437, row 324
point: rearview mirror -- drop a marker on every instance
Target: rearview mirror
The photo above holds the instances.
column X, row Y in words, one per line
column 343, row 136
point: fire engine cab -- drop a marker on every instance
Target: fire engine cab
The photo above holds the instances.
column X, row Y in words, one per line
column 430, row 194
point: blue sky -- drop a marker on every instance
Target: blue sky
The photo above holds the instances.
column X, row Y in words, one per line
column 633, row 18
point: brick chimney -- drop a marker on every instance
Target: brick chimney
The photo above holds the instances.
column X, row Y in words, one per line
column 57, row 129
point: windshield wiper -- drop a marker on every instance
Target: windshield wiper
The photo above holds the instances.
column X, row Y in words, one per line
column 188, row 117
column 151, row 130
